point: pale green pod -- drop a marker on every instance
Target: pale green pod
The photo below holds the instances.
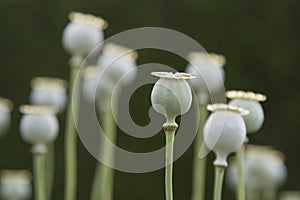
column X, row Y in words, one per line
column 265, row 166
column 264, row 169
column 5, row 115
column 48, row 91
column 39, row 124
column 171, row 94
column 249, row 101
column 83, row 33
column 224, row 131
column 96, row 88
column 118, row 63
column 15, row 185
column 255, row 119
column 209, row 72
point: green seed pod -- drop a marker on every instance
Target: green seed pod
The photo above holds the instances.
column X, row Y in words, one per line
column 49, row 92
column 116, row 61
column 96, row 87
column 224, row 131
column 83, row 33
column 171, row 94
column 209, row 72
column 264, row 169
column 249, row 101
column 39, row 124
column 5, row 116
column 265, row 165
column 15, row 184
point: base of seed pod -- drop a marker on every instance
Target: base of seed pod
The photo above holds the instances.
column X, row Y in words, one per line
column 39, row 149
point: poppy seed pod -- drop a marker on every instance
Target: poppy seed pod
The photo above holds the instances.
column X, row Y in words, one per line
column 209, row 72
column 96, row 87
column 171, row 94
column 249, row 101
column 83, row 33
column 264, row 169
column 5, row 116
column 224, row 131
column 49, row 92
column 39, row 124
column 117, row 61
column 15, row 184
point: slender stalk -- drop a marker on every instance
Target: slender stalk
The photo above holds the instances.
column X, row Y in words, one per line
column 219, row 175
column 102, row 188
column 39, row 176
column 50, row 169
column 170, row 134
column 199, row 165
column 95, row 194
column 71, row 139
column 241, row 184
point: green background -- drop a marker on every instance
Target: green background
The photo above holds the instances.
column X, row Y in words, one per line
column 260, row 40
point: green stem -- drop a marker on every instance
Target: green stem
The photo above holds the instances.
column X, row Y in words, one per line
column 170, row 134
column 241, row 184
column 102, row 187
column 95, row 194
column 39, row 176
column 199, row 165
column 50, row 169
column 219, row 175
column 71, row 139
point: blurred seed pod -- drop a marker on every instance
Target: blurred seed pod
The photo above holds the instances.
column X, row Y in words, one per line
column 96, row 88
column 264, row 170
column 39, row 124
column 209, row 71
column 15, row 185
column 83, row 33
column 48, row 91
column 118, row 63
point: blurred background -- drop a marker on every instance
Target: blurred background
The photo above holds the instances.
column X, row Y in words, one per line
column 260, row 40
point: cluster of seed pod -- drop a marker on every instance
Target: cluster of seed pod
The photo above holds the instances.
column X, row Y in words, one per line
column 225, row 130
column 38, row 126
